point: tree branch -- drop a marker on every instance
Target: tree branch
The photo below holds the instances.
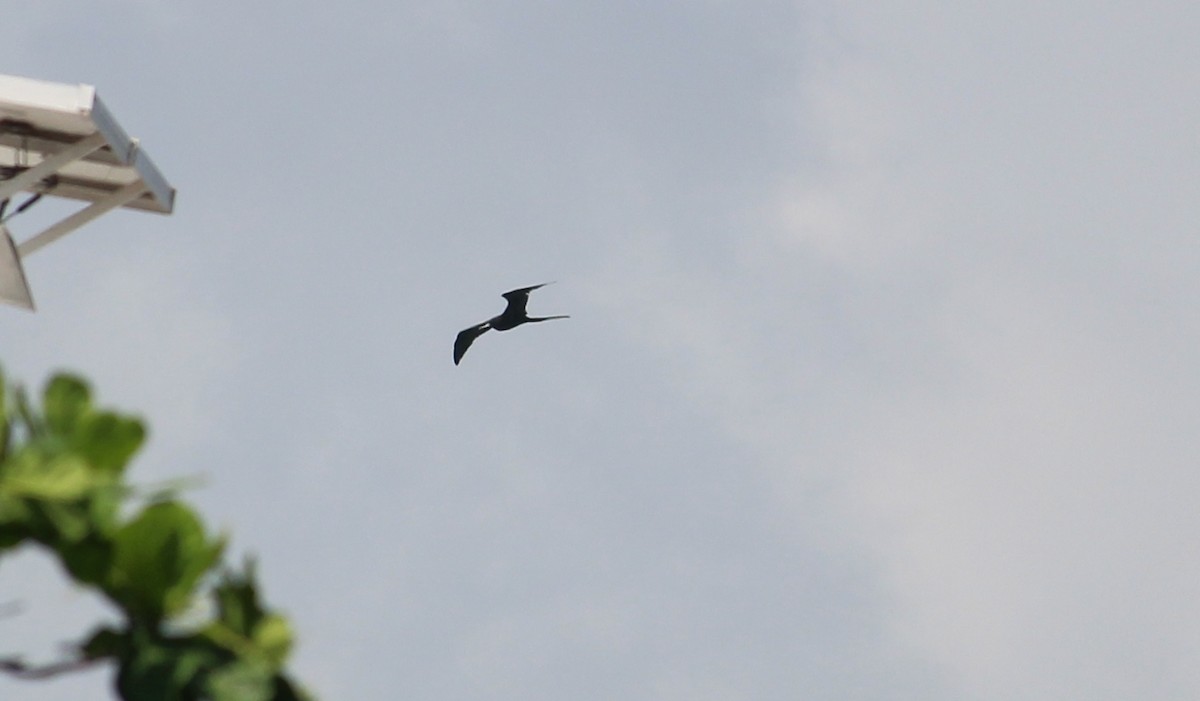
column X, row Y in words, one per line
column 21, row 670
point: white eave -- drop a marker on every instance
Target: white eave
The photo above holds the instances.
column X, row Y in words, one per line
column 59, row 140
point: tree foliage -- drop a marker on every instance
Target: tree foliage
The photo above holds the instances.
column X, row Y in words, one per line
column 63, row 487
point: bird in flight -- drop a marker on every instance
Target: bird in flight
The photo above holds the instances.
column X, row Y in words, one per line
column 513, row 316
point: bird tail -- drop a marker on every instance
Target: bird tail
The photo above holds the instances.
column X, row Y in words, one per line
column 548, row 318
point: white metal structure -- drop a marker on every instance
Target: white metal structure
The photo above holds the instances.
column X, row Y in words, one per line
column 60, row 140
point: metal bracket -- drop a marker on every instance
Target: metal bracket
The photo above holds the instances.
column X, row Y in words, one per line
column 50, row 165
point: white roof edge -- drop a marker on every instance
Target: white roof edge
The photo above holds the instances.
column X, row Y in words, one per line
column 120, row 142
column 156, row 183
column 80, row 99
column 68, row 97
column 128, row 150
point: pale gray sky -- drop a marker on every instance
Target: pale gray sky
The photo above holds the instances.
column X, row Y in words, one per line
column 879, row 383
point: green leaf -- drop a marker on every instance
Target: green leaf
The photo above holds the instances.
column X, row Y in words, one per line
column 244, row 680
column 273, row 636
column 88, row 560
column 106, row 643
column 5, row 433
column 67, row 523
column 158, row 558
column 14, row 521
column 286, row 690
column 104, row 508
column 13, row 510
column 65, row 400
column 108, row 440
column 238, row 607
column 243, row 625
column 37, row 476
column 163, row 670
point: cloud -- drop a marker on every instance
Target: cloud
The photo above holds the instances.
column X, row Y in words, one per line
column 961, row 339
column 1023, row 485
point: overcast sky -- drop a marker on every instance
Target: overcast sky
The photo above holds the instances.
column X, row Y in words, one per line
column 880, row 379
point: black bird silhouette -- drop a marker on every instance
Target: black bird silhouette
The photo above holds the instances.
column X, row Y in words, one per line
column 513, row 316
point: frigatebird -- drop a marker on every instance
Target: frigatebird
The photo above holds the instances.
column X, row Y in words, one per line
column 513, row 316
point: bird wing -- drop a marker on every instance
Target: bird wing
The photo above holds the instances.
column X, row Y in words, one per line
column 517, row 299
column 466, row 337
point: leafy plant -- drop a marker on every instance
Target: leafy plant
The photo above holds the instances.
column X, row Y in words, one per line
column 63, row 488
